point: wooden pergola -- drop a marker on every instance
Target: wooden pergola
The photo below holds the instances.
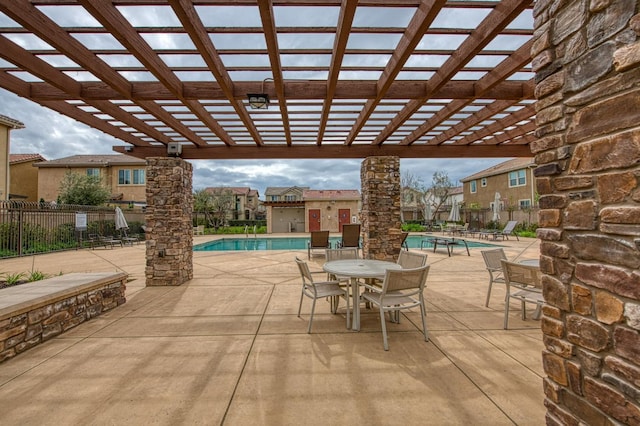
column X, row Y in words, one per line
column 345, row 79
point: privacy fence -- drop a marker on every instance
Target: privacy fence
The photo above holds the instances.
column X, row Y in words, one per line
column 30, row 228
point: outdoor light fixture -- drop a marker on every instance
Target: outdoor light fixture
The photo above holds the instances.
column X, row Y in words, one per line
column 259, row 100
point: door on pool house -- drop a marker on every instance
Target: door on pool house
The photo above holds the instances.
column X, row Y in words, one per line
column 314, row 220
column 344, row 216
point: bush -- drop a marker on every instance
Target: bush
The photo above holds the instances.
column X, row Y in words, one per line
column 412, row 227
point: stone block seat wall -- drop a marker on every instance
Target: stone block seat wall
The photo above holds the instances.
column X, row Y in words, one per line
column 34, row 312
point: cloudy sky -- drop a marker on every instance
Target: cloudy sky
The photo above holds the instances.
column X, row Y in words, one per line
column 55, row 136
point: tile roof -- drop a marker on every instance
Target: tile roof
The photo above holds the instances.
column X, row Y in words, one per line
column 331, row 194
column 504, row 167
column 23, row 158
column 279, row 190
column 10, row 122
column 93, row 161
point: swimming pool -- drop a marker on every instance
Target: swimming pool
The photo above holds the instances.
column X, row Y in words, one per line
column 291, row 243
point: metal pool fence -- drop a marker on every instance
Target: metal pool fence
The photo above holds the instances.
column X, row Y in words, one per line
column 27, row 228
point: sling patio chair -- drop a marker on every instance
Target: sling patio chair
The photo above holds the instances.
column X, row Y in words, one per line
column 401, row 289
column 493, row 261
column 523, row 283
column 350, row 236
column 320, row 290
column 319, row 241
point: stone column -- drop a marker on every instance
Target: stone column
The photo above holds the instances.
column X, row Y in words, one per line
column 380, row 214
column 586, row 56
column 169, row 221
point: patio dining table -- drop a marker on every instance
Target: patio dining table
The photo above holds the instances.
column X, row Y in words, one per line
column 357, row 269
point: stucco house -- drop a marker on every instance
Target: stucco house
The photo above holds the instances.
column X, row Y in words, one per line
column 513, row 180
column 301, row 209
column 246, row 202
column 24, row 176
column 6, row 125
column 125, row 176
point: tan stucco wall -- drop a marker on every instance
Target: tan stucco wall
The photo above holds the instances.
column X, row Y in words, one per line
column 49, row 179
column 4, row 162
column 500, row 183
column 24, row 180
column 329, row 212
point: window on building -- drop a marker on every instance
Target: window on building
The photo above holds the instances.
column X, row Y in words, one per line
column 273, row 198
column 483, row 182
column 289, row 197
column 524, row 204
column 139, row 177
column 93, row 172
column 124, row 177
column 517, row 178
column 473, row 186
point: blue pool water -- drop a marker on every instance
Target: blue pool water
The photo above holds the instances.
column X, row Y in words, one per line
column 291, row 243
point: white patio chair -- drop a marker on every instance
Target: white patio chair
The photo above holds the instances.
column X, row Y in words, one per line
column 401, row 289
column 493, row 261
column 523, row 284
column 319, row 290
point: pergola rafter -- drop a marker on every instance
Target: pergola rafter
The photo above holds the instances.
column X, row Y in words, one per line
column 346, row 78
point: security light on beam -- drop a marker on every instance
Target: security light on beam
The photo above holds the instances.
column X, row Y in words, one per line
column 258, row 100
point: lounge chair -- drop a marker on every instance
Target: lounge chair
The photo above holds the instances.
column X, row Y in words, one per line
column 508, row 230
column 350, row 236
column 319, row 241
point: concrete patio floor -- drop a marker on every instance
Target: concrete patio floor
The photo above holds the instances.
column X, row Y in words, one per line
column 227, row 348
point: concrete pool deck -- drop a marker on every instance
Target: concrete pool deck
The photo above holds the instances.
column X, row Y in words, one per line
column 227, row 348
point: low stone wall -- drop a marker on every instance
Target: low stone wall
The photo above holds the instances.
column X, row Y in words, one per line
column 35, row 312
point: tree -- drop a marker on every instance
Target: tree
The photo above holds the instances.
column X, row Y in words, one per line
column 215, row 204
column 412, row 189
column 76, row 188
column 440, row 191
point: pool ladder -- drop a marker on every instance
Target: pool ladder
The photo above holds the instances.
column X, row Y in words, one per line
column 255, row 231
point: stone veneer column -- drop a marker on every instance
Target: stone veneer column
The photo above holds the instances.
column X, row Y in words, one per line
column 169, row 221
column 380, row 214
column 586, row 55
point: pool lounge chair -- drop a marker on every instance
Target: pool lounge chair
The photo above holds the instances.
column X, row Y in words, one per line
column 319, row 241
column 350, row 236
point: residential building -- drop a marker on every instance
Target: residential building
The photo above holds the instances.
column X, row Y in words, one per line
column 300, row 209
column 246, row 202
column 123, row 175
column 285, row 209
column 6, row 125
column 328, row 210
column 513, row 180
column 24, row 176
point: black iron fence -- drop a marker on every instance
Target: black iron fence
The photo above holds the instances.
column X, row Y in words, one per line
column 29, row 228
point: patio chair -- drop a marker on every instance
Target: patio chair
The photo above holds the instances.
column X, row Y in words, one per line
column 403, row 241
column 493, row 261
column 319, row 290
column 508, row 230
column 350, row 236
column 523, row 284
column 401, row 289
column 411, row 259
column 319, row 241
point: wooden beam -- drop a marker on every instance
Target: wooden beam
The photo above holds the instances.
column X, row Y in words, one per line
column 271, row 38
column 334, row 151
column 420, row 23
column 345, row 20
column 487, row 30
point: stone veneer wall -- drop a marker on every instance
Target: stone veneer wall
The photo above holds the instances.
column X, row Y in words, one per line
column 380, row 214
column 168, row 220
column 586, row 56
column 29, row 326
